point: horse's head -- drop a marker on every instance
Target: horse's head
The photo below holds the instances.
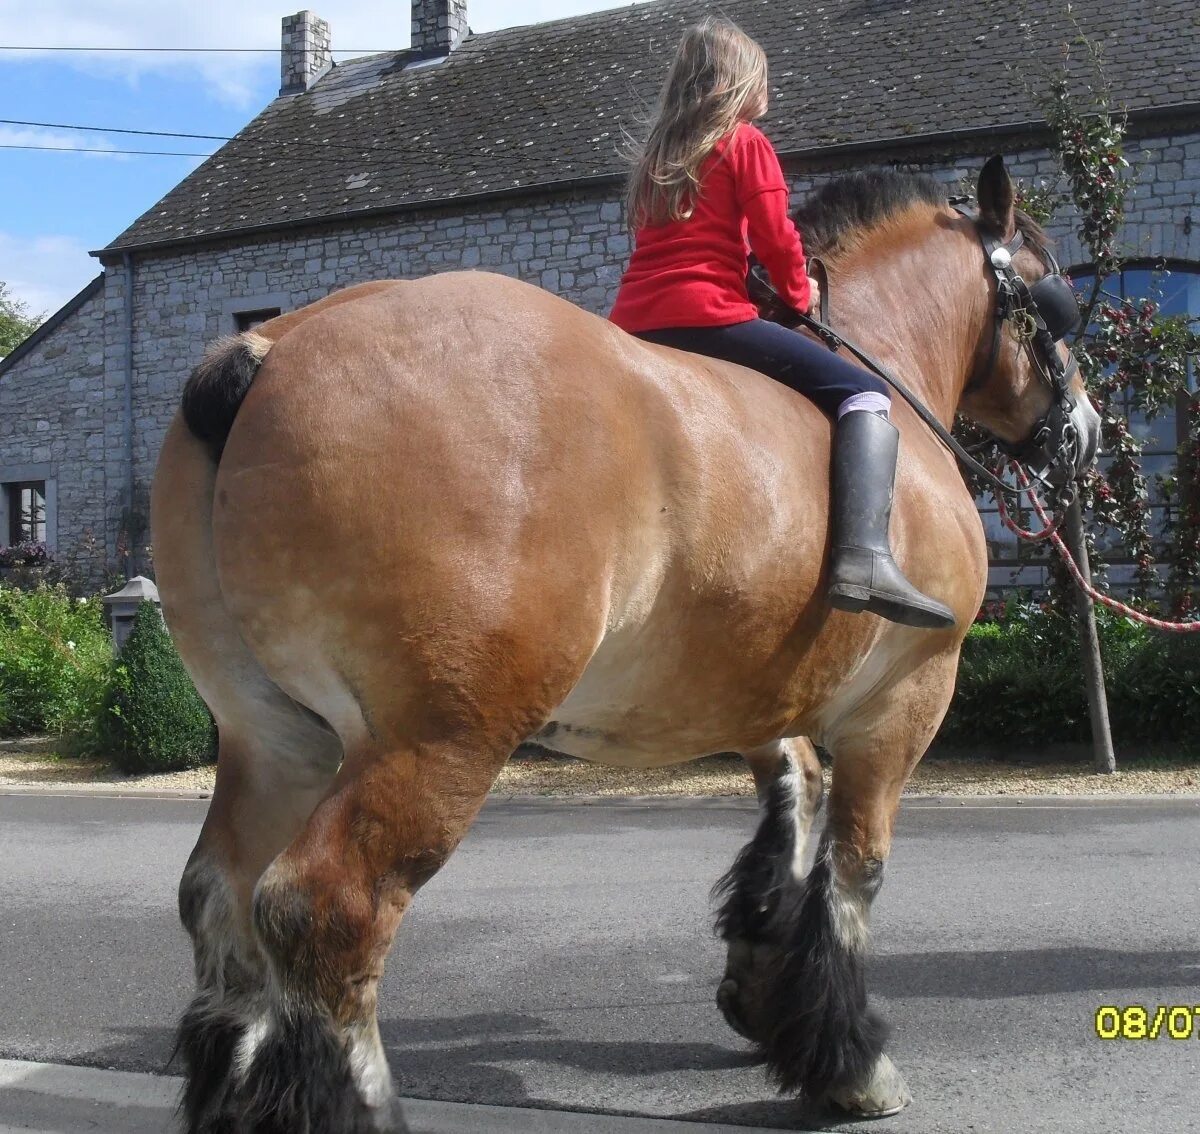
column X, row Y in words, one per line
column 1025, row 386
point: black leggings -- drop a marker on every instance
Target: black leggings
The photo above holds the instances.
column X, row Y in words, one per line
column 793, row 359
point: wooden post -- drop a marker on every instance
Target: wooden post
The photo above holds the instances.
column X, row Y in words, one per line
column 1103, row 760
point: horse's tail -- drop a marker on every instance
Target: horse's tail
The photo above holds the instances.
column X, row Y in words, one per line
column 217, row 387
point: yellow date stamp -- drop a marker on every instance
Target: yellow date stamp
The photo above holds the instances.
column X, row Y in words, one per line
column 1137, row 1022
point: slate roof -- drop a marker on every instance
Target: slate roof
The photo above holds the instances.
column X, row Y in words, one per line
column 533, row 106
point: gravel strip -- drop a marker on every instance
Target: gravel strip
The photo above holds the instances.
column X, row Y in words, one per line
column 34, row 762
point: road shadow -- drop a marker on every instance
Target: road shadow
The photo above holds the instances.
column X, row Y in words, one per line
column 772, row 1114
column 481, row 1056
column 462, row 1057
column 146, row 1049
column 1003, row 974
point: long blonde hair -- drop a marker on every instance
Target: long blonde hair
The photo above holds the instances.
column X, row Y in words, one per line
column 717, row 76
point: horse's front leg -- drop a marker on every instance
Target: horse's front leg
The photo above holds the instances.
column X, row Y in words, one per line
column 802, row 988
column 787, row 776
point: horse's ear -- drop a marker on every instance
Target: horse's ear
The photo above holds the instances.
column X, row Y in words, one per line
column 997, row 198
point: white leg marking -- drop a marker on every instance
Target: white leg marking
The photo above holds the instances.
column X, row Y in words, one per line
column 792, row 781
column 369, row 1065
column 791, row 784
column 848, row 905
column 252, row 1039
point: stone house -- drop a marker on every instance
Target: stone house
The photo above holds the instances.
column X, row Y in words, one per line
column 501, row 151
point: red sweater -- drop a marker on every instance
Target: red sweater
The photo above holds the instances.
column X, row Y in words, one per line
column 692, row 273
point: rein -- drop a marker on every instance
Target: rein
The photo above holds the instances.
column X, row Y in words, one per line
column 1041, row 315
column 836, row 342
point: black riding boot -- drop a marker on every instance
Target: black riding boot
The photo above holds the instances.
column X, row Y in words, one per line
column 863, row 575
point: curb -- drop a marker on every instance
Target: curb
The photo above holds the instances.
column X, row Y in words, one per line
column 115, row 791
column 1032, row 800
column 906, row 801
column 66, row 1100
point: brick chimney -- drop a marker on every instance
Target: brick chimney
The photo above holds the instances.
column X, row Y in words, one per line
column 307, row 53
column 437, row 26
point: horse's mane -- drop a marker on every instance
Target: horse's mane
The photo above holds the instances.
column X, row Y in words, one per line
column 838, row 216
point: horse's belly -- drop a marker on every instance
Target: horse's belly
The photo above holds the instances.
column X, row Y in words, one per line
column 637, row 706
column 601, row 747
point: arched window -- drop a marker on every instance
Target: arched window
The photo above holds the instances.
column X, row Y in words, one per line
column 1173, row 284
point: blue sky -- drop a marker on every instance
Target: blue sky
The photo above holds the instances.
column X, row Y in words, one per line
column 56, row 207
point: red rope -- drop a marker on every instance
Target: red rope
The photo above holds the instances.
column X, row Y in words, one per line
column 1050, row 531
column 1011, row 524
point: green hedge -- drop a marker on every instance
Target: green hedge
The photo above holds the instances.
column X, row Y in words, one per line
column 153, row 720
column 55, row 656
column 1020, row 682
column 58, row 676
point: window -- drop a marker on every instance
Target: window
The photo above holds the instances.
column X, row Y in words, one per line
column 248, row 320
column 1174, row 286
column 26, row 512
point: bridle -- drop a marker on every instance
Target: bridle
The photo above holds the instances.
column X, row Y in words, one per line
column 1041, row 316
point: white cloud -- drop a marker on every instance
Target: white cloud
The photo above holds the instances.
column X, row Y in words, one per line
column 148, row 23
column 45, row 271
column 372, row 25
column 62, row 140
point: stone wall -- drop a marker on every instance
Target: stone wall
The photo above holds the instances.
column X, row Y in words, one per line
column 53, row 405
column 575, row 245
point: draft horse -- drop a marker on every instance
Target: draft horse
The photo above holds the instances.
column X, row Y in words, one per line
column 402, row 530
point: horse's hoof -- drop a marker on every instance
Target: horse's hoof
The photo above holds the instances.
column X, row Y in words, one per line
column 881, row 1094
column 739, row 995
column 728, row 1002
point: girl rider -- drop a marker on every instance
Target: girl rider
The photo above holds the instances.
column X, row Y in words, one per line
column 704, row 182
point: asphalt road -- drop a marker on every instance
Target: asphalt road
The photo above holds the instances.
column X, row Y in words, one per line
column 563, row 959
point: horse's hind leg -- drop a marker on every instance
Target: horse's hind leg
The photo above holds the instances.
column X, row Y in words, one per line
column 787, row 776
column 274, row 765
column 326, row 911
column 276, row 761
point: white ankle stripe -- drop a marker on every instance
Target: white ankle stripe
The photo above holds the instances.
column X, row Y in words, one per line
column 868, row 400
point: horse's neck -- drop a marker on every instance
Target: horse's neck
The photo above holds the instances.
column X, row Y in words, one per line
column 906, row 305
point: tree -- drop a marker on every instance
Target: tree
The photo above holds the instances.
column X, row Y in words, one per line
column 153, row 719
column 16, row 323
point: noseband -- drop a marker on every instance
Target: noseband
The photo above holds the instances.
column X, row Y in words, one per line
column 1041, row 316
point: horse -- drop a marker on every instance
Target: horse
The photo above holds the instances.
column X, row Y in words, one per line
column 404, row 529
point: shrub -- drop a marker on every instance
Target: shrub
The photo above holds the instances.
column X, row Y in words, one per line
column 1155, row 694
column 1020, row 682
column 30, row 567
column 153, row 719
column 80, row 572
column 55, row 654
